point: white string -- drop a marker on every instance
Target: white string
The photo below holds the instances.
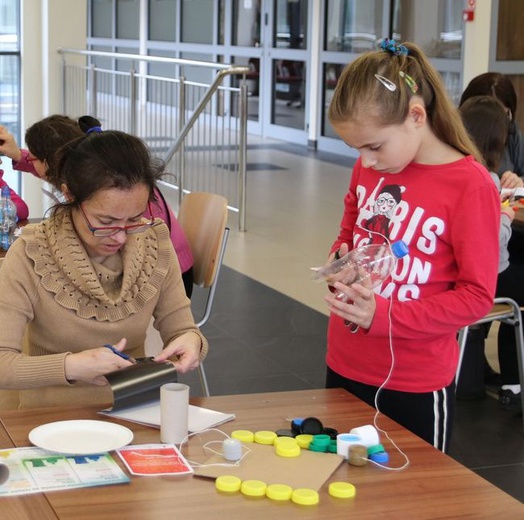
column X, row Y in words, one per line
column 206, row 447
column 388, row 377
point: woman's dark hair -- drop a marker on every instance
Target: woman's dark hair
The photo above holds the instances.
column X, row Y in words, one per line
column 102, row 160
column 46, row 136
column 487, row 123
column 492, row 84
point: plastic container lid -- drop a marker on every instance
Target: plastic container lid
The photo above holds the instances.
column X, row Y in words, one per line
column 311, row 425
column 381, row 457
column 279, row 492
column 321, row 440
column 265, row 437
column 243, row 435
column 305, row 497
column 289, row 441
column 331, row 432
column 377, row 448
column 253, row 488
column 332, row 448
column 228, row 483
column 399, row 248
column 318, row 447
column 304, row 440
column 286, row 449
column 342, row 490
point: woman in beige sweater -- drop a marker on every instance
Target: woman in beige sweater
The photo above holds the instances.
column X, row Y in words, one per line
column 92, row 274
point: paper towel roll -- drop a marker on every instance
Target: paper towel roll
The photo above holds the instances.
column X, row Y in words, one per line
column 174, row 409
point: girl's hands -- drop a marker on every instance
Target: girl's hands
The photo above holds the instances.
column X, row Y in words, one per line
column 90, row 366
column 185, row 350
column 355, row 304
column 509, row 211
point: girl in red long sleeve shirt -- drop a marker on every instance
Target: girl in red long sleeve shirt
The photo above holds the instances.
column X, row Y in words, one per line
column 418, row 175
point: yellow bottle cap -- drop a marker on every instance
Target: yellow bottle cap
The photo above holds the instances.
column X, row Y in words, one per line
column 285, row 449
column 253, row 488
column 265, row 437
column 228, row 483
column 305, row 497
column 304, row 440
column 342, row 490
column 243, row 435
column 279, row 492
column 288, row 441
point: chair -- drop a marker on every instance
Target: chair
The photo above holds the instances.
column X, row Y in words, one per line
column 203, row 217
column 505, row 310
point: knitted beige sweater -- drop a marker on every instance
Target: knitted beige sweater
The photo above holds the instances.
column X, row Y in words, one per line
column 65, row 302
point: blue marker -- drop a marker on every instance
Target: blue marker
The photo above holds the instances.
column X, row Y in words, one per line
column 118, row 353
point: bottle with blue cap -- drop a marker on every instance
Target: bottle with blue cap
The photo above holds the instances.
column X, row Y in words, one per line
column 373, row 262
column 8, row 219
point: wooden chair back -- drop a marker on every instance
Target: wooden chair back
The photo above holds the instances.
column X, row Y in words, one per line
column 203, row 217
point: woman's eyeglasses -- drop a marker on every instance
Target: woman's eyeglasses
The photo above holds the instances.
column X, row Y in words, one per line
column 108, row 231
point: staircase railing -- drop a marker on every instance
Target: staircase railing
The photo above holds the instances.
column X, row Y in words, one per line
column 191, row 113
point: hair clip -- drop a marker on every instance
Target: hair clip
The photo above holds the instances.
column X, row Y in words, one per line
column 386, row 82
column 410, row 82
column 393, row 47
column 96, row 129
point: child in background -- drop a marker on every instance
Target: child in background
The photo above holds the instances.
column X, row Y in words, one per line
column 499, row 85
column 22, row 211
column 399, row 352
column 486, row 120
column 46, row 136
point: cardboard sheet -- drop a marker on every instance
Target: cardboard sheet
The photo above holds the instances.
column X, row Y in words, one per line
column 309, row 470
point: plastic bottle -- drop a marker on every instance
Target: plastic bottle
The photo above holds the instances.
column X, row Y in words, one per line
column 7, row 219
column 373, row 262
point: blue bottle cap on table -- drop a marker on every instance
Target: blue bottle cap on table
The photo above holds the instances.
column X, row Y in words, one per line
column 381, row 457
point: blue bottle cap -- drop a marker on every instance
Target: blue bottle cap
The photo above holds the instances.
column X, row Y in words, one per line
column 399, row 248
column 381, row 457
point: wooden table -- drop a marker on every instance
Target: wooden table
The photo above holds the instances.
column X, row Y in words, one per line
column 433, row 486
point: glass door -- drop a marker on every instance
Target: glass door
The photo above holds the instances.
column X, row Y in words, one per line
column 271, row 38
column 286, row 55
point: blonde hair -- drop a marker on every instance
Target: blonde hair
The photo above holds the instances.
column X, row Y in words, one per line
column 360, row 95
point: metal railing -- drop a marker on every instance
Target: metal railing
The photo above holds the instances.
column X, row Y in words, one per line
column 192, row 115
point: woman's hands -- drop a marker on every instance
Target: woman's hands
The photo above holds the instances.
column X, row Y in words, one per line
column 8, row 146
column 186, row 351
column 510, row 180
column 90, row 366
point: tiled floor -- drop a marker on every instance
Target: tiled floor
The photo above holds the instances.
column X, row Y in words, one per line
column 268, row 327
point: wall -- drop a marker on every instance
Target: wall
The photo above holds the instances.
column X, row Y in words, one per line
column 46, row 25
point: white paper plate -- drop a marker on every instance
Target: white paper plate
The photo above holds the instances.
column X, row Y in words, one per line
column 82, row 437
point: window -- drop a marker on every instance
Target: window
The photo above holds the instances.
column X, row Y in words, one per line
column 10, row 78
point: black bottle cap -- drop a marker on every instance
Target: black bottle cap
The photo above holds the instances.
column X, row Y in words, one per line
column 331, row 432
column 312, row 426
column 285, row 433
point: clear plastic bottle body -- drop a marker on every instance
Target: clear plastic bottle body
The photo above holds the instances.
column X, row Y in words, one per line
column 371, row 263
column 7, row 219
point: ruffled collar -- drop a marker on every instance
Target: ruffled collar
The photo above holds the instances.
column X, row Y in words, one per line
column 108, row 292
